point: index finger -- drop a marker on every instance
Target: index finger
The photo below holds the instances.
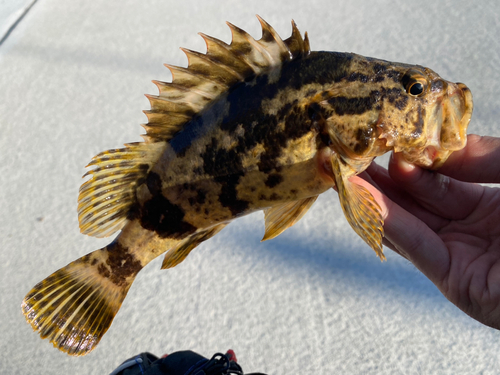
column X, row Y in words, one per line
column 477, row 162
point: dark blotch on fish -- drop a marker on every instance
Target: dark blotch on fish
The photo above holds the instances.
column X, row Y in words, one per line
column 354, row 77
column 363, row 136
column 273, row 180
column 165, row 218
column 213, row 158
column 153, row 182
column 229, row 195
column 122, row 264
column 419, row 123
column 351, row 106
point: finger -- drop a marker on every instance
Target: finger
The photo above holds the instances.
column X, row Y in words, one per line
column 376, row 174
column 440, row 194
column 379, row 177
column 477, row 162
column 414, row 240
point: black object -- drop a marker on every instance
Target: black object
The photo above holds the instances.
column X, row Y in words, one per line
column 181, row 363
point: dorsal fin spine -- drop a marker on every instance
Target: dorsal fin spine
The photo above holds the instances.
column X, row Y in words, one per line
column 307, row 47
column 171, row 90
column 157, row 117
column 223, row 53
column 269, row 32
column 296, row 44
column 201, row 58
column 241, row 37
column 189, row 79
column 160, row 104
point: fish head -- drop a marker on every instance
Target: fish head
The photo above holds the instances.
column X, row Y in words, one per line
column 377, row 106
column 434, row 121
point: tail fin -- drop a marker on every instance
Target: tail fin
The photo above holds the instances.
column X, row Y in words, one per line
column 75, row 305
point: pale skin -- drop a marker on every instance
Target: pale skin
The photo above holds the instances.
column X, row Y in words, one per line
column 446, row 224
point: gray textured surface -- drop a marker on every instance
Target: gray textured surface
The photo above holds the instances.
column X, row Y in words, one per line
column 316, row 299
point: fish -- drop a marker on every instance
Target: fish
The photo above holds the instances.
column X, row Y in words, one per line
column 254, row 125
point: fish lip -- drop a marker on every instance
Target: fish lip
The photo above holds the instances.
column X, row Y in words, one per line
column 468, row 103
column 455, row 93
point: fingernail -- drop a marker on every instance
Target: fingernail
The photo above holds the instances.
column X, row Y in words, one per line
column 403, row 164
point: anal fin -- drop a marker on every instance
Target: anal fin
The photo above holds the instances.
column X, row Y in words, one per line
column 281, row 217
column 360, row 209
column 179, row 252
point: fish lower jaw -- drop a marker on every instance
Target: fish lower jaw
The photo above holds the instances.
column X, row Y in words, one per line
column 431, row 157
column 428, row 157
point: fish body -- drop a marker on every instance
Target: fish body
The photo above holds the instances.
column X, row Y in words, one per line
column 254, row 125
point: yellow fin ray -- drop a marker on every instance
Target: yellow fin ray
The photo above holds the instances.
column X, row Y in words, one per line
column 179, row 252
column 281, row 217
column 75, row 305
column 105, row 200
column 360, row 209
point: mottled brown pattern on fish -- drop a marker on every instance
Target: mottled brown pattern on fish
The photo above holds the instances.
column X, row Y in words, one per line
column 259, row 146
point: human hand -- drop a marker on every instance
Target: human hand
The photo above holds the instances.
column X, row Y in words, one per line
column 448, row 227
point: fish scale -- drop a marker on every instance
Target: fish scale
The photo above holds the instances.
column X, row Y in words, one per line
column 254, row 125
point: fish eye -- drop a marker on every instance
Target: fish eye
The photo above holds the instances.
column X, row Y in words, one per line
column 416, row 86
column 416, row 89
column 414, row 82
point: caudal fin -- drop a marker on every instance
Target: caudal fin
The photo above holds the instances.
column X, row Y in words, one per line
column 75, row 305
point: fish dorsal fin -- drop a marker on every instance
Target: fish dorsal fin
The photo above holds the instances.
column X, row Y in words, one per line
column 281, row 217
column 360, row 209
column 211, row 74
column 178, row 253
column 104, row 201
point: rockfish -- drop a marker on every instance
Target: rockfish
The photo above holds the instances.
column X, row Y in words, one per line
column 252, row 125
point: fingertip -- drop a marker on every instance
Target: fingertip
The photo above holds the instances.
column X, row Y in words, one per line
column 402, row 164
column 401, row 170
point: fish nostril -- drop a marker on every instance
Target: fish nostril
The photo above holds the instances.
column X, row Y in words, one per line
column 439, row 85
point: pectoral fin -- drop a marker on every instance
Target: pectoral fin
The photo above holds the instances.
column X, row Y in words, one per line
column 179, row 252
column 106, row 199
column 281, row 217
column 361, row 210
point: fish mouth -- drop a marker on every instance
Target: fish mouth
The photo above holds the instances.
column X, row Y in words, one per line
column 452, row 117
